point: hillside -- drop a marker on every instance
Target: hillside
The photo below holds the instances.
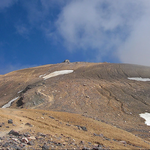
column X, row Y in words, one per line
column 99, row 96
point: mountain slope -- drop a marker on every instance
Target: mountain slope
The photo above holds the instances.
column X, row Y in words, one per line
column 101, row 91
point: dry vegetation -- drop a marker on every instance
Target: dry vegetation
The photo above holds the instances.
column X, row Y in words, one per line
column 42, row 123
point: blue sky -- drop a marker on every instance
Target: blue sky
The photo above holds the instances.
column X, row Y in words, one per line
column 38, row 32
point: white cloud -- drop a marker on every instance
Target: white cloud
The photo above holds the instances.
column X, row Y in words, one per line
column 38, row 11
column 104, row 26
column 136, row 49
column 22, row 30
column 6, row 3
column 41, row 15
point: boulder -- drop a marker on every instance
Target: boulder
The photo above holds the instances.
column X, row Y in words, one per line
column 10, row 121
column 24, row 140
column 28, row 124
column 13, row 132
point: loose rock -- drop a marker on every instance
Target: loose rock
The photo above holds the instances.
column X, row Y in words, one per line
column 25, row 140
column 51, row 117
column 10, row 121
column 16, row 140
column 31, row 138
column 123, row 142
column 45, row 147
column 82, row 128
column 14, row 133
column 6, row 144
column 30, row 143
column 28, row 124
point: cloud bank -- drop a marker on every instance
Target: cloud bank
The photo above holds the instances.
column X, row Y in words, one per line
column 136, row 48
column 104, row 27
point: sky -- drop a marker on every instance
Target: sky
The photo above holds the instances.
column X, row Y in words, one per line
column 39, row 32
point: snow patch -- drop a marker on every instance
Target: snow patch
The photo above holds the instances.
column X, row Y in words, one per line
column 20, row 91
column 42, row 75
column 9, row 103
column 139, row 79
column 56, row 73
column 146, row 116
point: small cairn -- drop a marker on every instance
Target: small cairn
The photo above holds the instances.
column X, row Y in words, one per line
column 67, row 61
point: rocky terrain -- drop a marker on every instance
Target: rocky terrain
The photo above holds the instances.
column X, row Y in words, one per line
column 94, row 106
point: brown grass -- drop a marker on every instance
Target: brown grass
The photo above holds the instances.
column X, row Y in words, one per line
column 58, row 126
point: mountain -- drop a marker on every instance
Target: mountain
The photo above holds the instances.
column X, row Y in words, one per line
column 99, row 96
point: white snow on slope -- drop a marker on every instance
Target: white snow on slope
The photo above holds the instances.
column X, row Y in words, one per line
column 57, row 73
column 9, row 103
column 146, row 116
column 20, row 91
column 139, row 79
column 53, row 74
column 42, row 75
